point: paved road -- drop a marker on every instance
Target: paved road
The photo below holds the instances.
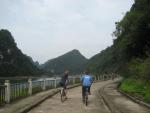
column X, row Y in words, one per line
column 75, row 105
column 119, row 103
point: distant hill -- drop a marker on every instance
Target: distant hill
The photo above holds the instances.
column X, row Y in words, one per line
column 36, row 63
column 12, row 61
column 74, row 61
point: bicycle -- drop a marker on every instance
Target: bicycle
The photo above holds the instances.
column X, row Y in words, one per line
column 62, row 94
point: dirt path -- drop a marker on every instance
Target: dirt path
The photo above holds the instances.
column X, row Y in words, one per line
column 74, row 103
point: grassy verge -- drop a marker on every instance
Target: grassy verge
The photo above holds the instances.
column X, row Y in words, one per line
column 136, row 88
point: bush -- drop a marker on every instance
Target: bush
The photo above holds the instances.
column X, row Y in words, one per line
column 140, row 69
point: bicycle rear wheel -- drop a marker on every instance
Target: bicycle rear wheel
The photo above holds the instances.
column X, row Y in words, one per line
column 62, row 95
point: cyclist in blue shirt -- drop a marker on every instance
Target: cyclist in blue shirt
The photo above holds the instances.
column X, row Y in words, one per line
column 86, row 83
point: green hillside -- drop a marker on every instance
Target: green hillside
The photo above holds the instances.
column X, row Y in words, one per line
column 130, row 53
column 74, row 61
column 12, row 61
column 132, row 45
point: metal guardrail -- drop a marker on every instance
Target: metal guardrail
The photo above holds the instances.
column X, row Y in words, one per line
column 37, row 86
column 31, row 77
column 18, row 90
column 2, row 94
column 50, row 84
column 11, row 92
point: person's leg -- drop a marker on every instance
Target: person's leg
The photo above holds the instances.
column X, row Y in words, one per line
column 65, row 91
column 89, row 90
column 61, row 89
column 83, row 92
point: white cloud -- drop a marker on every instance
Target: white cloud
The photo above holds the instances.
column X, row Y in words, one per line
column 45, row 29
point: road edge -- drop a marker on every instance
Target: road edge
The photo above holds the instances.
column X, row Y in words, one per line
column 134, row 99
column 32, row 105
column 108, row 103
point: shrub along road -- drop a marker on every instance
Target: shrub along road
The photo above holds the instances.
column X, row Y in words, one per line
column 96, row 103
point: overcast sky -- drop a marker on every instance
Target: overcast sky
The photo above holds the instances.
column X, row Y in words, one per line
column 45, row 29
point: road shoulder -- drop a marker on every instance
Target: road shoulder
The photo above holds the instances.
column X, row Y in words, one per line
column 118, row 103
column 26, row 104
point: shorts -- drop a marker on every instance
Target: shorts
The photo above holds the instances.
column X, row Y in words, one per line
column 84, row 90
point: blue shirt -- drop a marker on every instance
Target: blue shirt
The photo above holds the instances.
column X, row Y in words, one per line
column 86, row 80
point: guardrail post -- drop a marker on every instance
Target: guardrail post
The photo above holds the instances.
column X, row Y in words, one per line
column 74, row 80
column 98, row 77
column 7, row 91
column 55, row 83
column 95, row 78
column 30, row 86
column 44, row 84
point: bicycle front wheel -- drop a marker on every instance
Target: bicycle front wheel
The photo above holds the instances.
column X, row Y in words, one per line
column 62, row 95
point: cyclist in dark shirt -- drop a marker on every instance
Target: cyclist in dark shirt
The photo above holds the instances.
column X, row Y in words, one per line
column 64, row 80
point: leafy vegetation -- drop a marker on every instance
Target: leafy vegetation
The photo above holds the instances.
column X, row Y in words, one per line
column 12, row 61
column 132, row 43
column 130, row 53
column 140, row 69
column 74, row 61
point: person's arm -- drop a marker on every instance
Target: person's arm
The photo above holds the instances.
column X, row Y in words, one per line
column 67, row 80
column 91, row 79
column 81, row 79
